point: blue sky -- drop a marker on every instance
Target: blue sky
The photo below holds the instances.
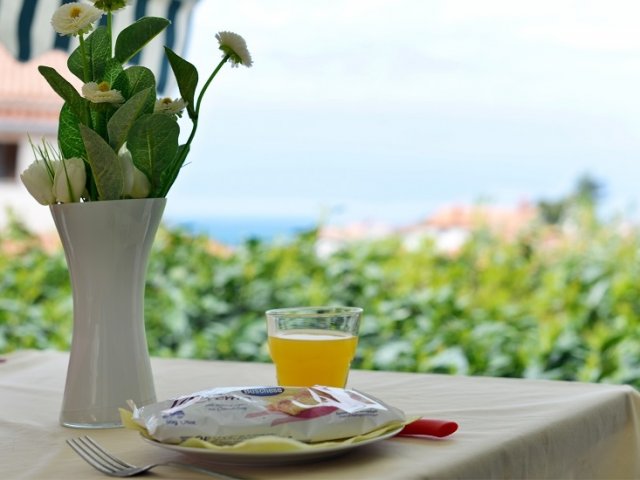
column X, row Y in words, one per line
column 387, row 109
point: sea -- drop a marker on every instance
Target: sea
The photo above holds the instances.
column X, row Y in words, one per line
column 235, row 231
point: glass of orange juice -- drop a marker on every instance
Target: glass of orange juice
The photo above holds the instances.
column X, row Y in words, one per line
column 313, row 345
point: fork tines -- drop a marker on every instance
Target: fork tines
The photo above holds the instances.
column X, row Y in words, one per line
column 97, row 456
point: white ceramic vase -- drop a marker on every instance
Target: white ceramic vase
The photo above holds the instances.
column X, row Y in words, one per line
column 107, row 246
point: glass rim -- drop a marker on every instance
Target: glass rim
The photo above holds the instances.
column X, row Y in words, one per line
column 319, row 311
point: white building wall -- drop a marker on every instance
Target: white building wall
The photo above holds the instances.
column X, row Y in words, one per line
column 14, row 196
column 28, row 108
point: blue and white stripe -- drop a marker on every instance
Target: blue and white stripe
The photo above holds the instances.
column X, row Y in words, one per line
column 25, row 30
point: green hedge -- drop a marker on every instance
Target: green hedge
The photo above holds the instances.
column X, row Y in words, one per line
column 552, row 303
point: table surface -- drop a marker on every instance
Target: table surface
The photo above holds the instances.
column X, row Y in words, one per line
column 509, row 428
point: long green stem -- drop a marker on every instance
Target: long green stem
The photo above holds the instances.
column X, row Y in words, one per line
column 85, row 74
column 201, row 96
column 85, row 64
column 109, row 30
column 177, row 165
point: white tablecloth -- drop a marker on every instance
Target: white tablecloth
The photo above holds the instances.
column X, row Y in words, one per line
column 509, row 428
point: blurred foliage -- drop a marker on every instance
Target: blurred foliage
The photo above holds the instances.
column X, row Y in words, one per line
column 587, row 192
column 558, row 301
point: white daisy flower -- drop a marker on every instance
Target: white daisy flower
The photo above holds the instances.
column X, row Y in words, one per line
column 234, row 45
column 169, row 106
column 101, row 93
column 75, row 18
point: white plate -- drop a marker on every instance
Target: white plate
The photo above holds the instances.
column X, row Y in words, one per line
column 270, row 458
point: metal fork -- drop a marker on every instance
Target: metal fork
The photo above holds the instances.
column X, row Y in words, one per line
column 107, row 463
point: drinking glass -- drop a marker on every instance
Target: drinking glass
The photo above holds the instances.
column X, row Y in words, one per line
column 313, row 345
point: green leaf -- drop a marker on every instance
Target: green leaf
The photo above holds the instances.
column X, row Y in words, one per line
column 71, row 144
column 112, row 70
column 174, row 170
column 122, row 120
column 98, row 51
column 134, row 37
column 62, row 87
column 153, row 143
column 187, row 78
column 69, row 137
column 134, row 80
column 105, row 165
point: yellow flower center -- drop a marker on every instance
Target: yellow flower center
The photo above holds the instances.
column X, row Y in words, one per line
column 103, row 87
column 75, row 12
column 166, row 101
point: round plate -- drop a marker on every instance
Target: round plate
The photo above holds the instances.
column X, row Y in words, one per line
column 271, row 458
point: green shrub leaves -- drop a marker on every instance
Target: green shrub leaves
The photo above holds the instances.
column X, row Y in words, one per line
column 566, row 309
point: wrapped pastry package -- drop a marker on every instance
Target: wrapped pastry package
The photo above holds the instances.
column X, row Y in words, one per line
column 230, row 415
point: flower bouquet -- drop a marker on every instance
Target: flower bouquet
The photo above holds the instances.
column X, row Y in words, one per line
column 116, row 140
column 118, row 154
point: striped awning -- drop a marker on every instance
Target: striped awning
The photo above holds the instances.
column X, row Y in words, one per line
column 25, row 30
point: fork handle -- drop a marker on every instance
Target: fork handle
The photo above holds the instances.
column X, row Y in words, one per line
column 195, row 468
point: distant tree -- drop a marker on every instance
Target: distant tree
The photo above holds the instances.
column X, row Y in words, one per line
column 552, row 212
column 588, row 190
column 587, row 193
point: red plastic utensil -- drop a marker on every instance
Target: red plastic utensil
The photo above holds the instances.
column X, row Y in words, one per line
column 430, row 427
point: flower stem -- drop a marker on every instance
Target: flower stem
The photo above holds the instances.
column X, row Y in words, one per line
column 183, row 152
column 201, row 96
column 85, row 65
column 109, row 30
column 85, row 73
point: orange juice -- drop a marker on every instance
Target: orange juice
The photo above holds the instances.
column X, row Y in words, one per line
column 312, row 357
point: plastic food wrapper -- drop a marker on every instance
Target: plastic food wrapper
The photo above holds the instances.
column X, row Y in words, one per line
column 277, row 417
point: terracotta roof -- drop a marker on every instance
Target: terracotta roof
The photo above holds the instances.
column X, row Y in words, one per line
column 471, row 216
column 24, row 93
